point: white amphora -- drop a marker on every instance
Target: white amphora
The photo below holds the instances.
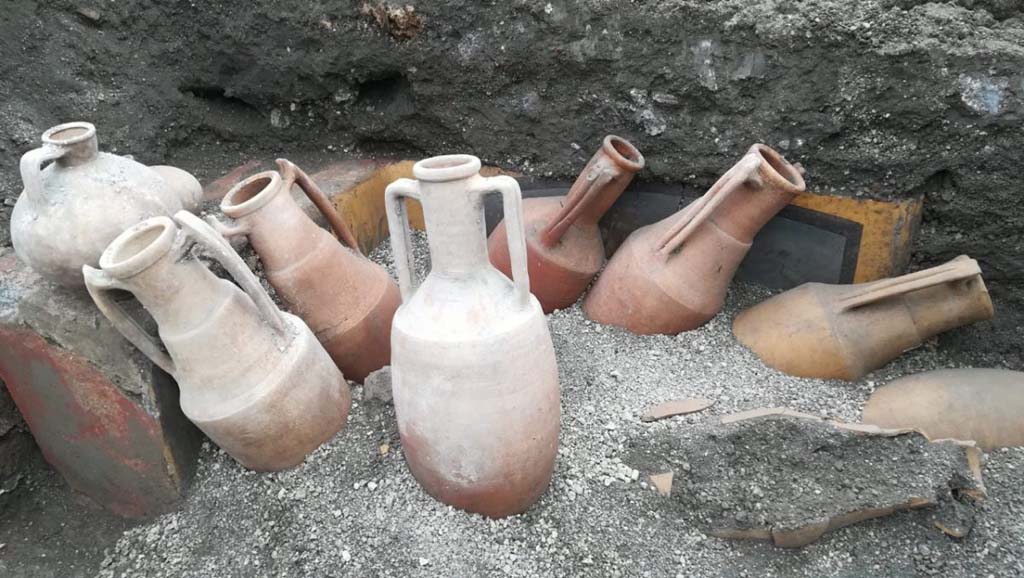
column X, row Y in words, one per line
column 253, row 378
column 473, row 367
column 73, row 207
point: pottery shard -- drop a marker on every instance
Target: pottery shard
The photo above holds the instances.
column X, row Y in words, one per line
column 662, row 483
column 675, row 407
column 789, row 478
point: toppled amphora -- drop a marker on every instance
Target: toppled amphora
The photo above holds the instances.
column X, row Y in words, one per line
column 346, row 299
column 980, row 405
column 473, row 368
column 672, row 276
column 72, row 209
column 251, row 376
column 563, row 243
column 846, row 331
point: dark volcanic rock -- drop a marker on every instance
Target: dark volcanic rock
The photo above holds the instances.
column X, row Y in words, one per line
column 881, row 98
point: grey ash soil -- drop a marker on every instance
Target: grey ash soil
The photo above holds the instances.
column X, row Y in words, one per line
column 784, row 473
column 353, row 508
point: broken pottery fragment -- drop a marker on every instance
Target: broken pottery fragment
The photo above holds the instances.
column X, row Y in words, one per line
column 662, row 483
column 983, row 405
column 563, row 244
column 251, row 376
column 789, row 478
column 675, row 407
column 846, row 331
column 672, row 276
column 346, row 299
column 473, row 369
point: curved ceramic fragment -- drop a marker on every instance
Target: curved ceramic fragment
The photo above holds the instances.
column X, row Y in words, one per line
column 983, row 405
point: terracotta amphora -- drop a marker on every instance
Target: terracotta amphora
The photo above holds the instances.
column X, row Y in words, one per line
column 846, row 331
column 980, row 405
column 672, row 276
column 252, row 377
column 73, row 208
column 346, row 299
column 563, row 243
column 473, row 367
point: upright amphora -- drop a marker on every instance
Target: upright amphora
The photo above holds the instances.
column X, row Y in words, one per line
column 473, row 367
column 74, row 206
column 846, row 331
column 672, row 276
column 563, row 243
column 252, row 377
column 346, row 299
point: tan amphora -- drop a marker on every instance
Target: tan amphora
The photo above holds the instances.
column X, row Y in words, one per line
column 672, row 276
column 473, row 367
column 847, row 331
column 76, row 200
column 252, row 377
column 563, row 243
column 346, row 299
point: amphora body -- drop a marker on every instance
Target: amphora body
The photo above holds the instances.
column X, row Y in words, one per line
column 672, row 276
column 473, row 367
column 346, row 299
column 252, row 377
column 563, row 243
column 73, row 208
column 978, row 404
column 846, row 331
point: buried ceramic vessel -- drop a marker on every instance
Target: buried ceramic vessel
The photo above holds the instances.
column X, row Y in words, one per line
column 72, row 209
column 563, row 243
column 252, row 377
column 981, row 405
column 474, row 377
column 346, row 299
column 672, row 276
column 846, row 331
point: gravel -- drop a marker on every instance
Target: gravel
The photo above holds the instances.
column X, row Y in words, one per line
column 353, row 508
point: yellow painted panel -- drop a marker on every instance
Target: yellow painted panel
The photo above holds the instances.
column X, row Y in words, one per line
column 888, row 230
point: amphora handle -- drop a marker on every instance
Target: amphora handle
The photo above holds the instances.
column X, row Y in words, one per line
column 963, row 267
column 32, row 170
column 595, row 184
column 399, row 230
column 99, row 284
column 292, row 173
column 220, row 250
column 745, row 172
column 512, row 206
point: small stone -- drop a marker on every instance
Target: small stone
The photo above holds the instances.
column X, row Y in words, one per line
column 424, row 561
column 377, row 385
column 345, row 556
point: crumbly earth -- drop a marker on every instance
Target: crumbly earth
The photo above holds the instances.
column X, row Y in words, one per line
column 876, row 98
column 784, row 473
column 353, row 508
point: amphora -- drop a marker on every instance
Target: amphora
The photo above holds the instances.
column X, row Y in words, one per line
column 346, row 299
column 846, row 331
column 73, row 207
column 672, row 276
column 252, row 377
column 473, row 367
column 976, row 404
column 563, row 243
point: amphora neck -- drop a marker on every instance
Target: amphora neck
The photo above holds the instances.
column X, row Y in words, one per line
column 453, row 212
